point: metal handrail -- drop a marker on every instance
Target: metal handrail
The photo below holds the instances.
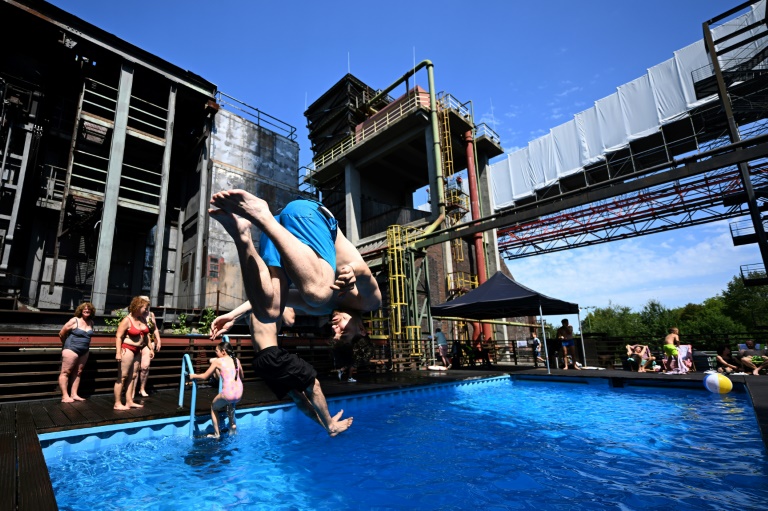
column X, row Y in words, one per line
column 187, row 368
column 259, row 116
column 756, row 270
column 484, row 130
column 449, row 102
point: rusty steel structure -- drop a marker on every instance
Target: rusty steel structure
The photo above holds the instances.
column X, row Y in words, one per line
column 707, row 166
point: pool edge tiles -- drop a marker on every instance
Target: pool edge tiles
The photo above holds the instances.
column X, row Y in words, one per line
column 58, row 444
column 55, row 445
column 621, row 382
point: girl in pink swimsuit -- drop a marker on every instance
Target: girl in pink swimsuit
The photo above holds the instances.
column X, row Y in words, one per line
column 228, row 368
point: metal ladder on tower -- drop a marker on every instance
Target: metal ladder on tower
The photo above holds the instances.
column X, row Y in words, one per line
column 446, row 156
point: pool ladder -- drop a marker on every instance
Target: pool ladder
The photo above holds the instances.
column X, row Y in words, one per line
column 186, row 369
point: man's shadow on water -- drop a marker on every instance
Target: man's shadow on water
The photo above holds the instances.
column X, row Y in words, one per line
column 211, row 454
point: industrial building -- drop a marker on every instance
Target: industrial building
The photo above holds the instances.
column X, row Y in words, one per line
column 110, row 155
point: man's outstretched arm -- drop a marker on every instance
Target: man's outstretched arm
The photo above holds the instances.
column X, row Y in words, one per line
column 222, row 324
column 355, row 281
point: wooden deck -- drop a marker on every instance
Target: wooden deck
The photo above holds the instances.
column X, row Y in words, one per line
column 26, row 484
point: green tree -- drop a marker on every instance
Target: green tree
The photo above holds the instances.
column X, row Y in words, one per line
column 114, row 321
column 656, row 319
column 613, row 321
column 708, row 318
column 746, row 305
column 181, row 327
column 207, row 316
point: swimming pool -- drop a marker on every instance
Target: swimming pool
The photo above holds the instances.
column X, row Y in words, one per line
column 495, row 444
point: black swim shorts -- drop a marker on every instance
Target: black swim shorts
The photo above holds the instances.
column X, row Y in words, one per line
column 283, row 371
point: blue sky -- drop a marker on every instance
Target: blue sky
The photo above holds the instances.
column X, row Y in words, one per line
column 526, row 66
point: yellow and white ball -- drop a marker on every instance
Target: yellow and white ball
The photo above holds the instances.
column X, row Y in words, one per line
column 718, row 384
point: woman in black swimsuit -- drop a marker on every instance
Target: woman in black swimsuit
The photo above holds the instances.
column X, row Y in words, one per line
column 76, row 336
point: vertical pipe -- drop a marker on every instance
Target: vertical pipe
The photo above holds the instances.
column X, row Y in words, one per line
column 432, row 120
column 544, row 336
column 583, row 348
column 474, row 204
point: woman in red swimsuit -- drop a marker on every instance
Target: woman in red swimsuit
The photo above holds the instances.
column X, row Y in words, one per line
column 131, row 337
column 148, row 352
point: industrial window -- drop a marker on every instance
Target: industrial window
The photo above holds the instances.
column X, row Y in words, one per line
column 213, row 267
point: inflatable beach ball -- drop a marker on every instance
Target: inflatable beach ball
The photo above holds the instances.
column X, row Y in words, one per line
column 718, row 384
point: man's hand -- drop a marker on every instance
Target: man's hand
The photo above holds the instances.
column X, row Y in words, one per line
column 345, row 279
column 221, row 325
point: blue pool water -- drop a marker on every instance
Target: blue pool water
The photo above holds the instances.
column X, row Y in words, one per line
column 494, row 445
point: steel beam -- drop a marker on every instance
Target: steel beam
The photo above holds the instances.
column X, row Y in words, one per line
column 112, row 190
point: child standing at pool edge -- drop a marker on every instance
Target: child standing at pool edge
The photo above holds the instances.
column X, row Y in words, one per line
column 228, row 368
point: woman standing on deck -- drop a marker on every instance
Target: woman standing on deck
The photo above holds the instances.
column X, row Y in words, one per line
column 76, row 336
column 131, row 337
column 230, row 371
column 148, row 352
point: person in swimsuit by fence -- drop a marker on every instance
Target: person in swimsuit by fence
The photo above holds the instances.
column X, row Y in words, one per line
column 565, row 335
column 228, row 368
column 76, row 336
column 670, row 349
column 148, row 352
column 131, row 337
column 288, row 375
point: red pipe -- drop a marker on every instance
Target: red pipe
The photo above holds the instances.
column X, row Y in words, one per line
column 477, row 238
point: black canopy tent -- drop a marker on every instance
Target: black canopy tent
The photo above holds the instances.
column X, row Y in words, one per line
column 502, row 297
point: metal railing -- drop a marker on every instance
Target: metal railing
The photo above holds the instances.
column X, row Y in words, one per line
column 483, row 130
column 187, row 369
column 260, row 118
column 744, row 228
column 51, row 185
column 448, row 102
column 752, row 271
column 370, row 128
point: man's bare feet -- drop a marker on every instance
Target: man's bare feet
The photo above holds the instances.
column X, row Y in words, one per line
column 134, row 405
column 67, row 400
column 339, row 425
column 78, row 398
column 121, row 407
column 243, row 204
column 237, row 227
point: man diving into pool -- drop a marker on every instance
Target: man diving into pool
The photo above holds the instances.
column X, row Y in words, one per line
column 287, row 374
column 302, row 248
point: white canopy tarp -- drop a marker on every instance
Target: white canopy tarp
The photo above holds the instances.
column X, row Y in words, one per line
column 637, row 109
